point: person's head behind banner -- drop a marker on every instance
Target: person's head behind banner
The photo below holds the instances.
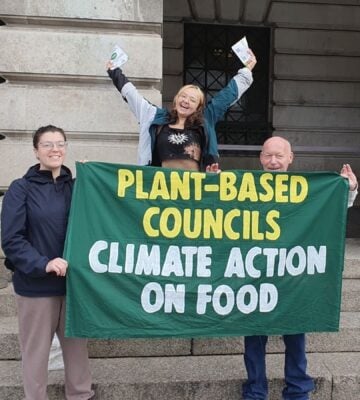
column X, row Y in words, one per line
column 276, row 154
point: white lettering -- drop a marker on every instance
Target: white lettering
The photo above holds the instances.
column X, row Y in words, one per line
column 94, row 252
column 152, row 289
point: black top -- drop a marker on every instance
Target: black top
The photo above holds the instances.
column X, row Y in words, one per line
column 178, row 144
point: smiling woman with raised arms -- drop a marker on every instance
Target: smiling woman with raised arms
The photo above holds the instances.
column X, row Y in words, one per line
column 184, row 137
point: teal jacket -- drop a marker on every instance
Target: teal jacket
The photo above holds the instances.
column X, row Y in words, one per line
column 150, row 117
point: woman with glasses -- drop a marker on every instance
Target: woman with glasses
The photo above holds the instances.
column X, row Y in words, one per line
column 33, row 226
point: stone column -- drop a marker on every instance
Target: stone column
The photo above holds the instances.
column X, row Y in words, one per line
column 5, row 275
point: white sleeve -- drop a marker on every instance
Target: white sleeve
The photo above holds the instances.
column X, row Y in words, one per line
column 139, row 106
column 352, row 197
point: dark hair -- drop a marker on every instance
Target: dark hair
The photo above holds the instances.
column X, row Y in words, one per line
column 43, row 129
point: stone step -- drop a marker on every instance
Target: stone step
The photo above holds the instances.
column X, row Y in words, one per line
column 346, row 340
column 350, row 300
column 7, row 301
column 336, row 377
column 352, row 258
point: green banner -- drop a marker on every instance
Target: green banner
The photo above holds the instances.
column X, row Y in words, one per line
column 155, row 252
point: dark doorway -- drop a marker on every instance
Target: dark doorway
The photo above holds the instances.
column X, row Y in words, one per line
column 210, row 63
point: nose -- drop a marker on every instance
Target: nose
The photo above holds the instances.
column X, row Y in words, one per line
column 273, row 160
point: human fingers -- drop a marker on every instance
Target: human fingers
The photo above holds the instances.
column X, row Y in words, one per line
column 252, row 62
column 347, row 173
column 53, row 267
column 251, row 53
column 63, row 265
column 58, row 266
column 214, row 168
column 348, row 167
column 345, row 170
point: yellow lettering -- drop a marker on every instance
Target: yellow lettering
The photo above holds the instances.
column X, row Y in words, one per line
column 180, row 186
column 213, row 223
column 198, row 177
column 140, row 194
column 269, row 191
column 246, row 224
column 281, row 188
column 228, row 190
column 271, row 216
column 229, row 232
column 194, row 231
column 170, row 231
column 159, row 187
column 298, row 189
column 247, row 188
column 148, row 229
column 256, row 235
column 125, row 180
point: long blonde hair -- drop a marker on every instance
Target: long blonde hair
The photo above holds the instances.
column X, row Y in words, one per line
column 197, row 117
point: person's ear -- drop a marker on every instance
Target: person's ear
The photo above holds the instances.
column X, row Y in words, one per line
column 291, row 157
column 36, row 153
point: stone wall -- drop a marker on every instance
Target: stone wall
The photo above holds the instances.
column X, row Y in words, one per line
column 53, row 57
column 315, row 82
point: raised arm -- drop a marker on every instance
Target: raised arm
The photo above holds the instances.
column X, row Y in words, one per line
column 347, row 173
column 142, row 109
column 232, row 92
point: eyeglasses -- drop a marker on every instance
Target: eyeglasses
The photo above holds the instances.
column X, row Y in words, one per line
column 50, row 145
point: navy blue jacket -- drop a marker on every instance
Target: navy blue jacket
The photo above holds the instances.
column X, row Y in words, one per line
column 34, row 218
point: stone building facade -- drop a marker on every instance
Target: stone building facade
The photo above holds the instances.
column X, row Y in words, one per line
column 53, row 57
column 314, row 71
column 52, row 69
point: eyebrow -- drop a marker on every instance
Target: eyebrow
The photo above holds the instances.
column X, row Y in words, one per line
column 190, row 96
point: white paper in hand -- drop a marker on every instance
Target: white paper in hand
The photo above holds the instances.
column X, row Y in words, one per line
column 118, row 57
column 241, row 50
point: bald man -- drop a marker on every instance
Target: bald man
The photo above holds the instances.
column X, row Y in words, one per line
column 276, row 155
